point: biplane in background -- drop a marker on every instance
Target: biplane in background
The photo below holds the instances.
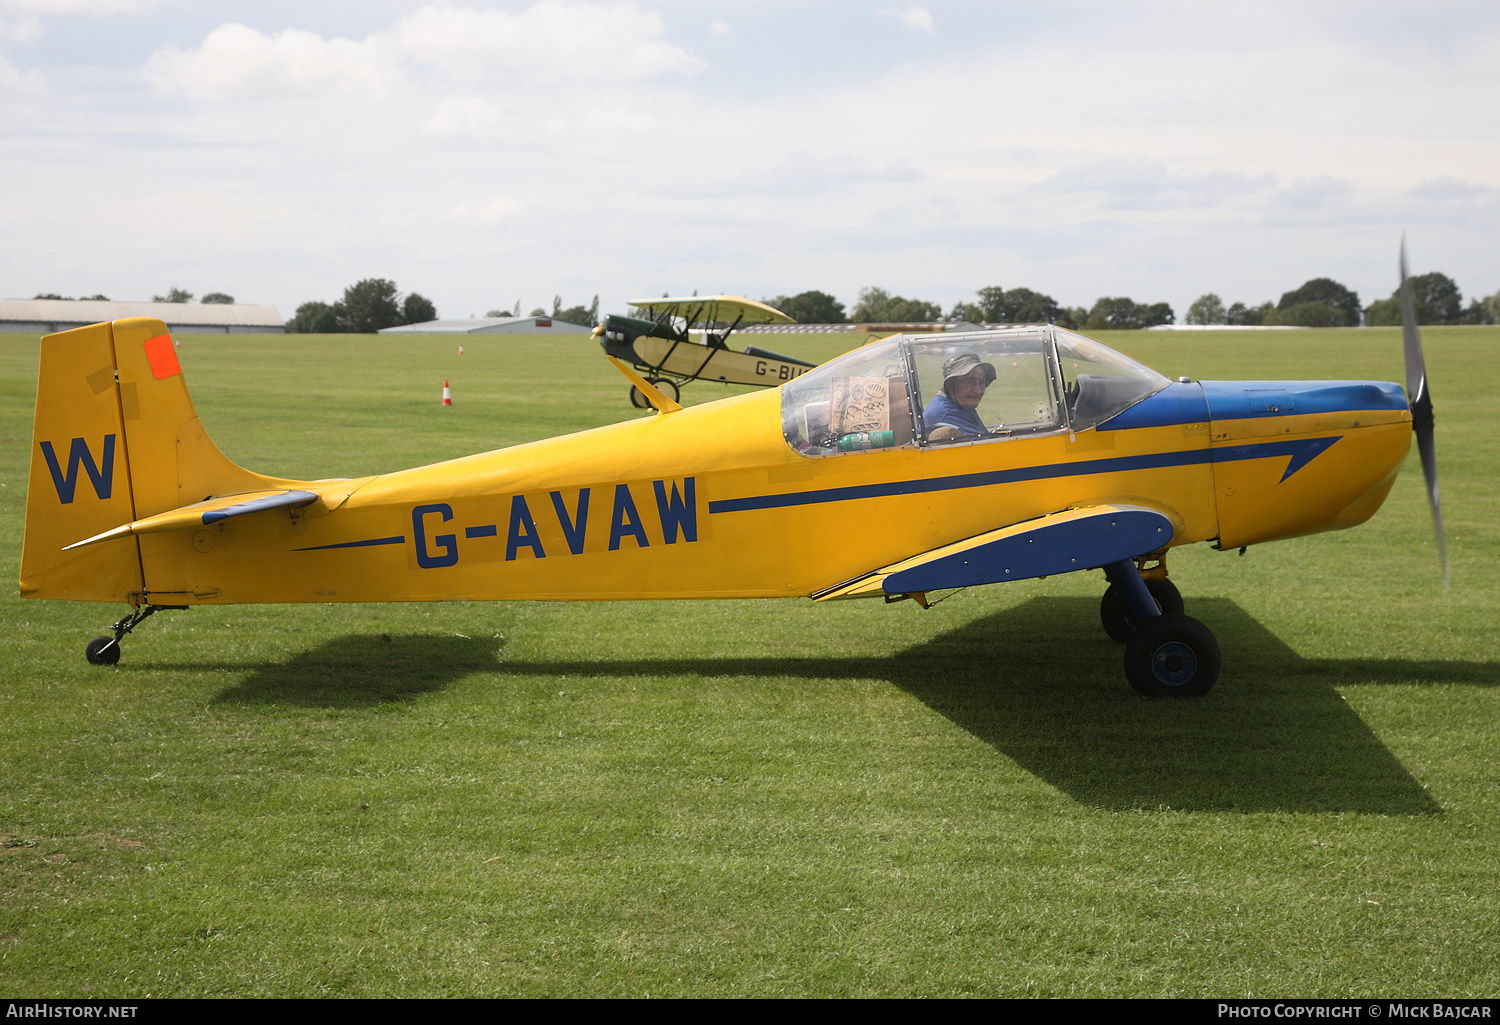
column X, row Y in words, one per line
column 664, row 350
column 901, row 469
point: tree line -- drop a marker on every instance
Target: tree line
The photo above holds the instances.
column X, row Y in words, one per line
column 993, row 305
column 1323, row 302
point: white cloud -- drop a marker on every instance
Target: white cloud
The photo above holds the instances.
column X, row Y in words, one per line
column 239, row 63
column 549, row 41
column 485, row 211
column 464, row 117
column 918, row 19
column 719, row 29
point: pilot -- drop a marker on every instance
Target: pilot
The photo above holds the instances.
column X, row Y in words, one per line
column 951, row 416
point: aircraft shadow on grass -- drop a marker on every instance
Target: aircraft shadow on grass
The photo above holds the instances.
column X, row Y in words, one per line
column 1038, row 682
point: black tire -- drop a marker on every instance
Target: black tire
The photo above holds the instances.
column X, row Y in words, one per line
column 638, row 398
column 1173, row 656
column 667, row 388
column 102, row 651
column 1117, row 620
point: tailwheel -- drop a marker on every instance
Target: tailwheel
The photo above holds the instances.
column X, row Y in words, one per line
column 105, row 651
column 1117, row 620
column 102, row 651
column 1172, row 656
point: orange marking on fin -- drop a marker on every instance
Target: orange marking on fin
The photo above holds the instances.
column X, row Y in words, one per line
column 163, row 357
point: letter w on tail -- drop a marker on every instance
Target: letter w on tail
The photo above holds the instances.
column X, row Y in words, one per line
column 102, row 473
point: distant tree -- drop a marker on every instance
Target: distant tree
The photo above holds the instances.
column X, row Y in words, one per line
column 370, row 305
column 1016, row 306
column 1072, row 317
column 497, row 313
column 1437, row 299
column 1384, row 313
column 1116, row 313
column 538, row 312
column 877, row 306
column 218, row 297
column 174, row 295
column 418, row 309
column 1157, row 314
column 315, row 318
column 1307, row 314
column 1241, row 315
column 1486, row 311
column 811, row 308
column 101, row 297
column 51, row 295
column 1206, row 309
column 1330, row 293
column 585, row 315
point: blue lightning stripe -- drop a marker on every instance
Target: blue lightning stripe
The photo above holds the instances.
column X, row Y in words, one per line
column 1301, row 450
column 398, row 540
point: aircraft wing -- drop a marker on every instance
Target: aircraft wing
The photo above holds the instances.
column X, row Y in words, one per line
column 1058, row 543
column 202, row 514
column 717, row 308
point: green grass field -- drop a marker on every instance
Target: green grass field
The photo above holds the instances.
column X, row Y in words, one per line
column 757, row 798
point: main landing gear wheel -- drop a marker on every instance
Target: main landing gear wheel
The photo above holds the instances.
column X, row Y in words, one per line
column 1117, row 620
column 102, row 651
column 1173, row 656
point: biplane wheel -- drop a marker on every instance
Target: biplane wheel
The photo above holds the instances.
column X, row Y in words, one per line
column 1173, row 656
column 102, row 651
column 638, row 398
column 1117, row 620
column 667, row 388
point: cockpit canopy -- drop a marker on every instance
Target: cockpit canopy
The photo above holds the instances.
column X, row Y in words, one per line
column 999, row 384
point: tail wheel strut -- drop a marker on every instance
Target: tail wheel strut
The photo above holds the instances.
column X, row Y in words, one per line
column 105, row 651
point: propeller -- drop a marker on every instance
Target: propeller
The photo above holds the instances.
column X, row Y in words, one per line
column 1420, row 398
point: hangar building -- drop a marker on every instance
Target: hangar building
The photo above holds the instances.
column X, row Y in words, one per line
column 44, row 316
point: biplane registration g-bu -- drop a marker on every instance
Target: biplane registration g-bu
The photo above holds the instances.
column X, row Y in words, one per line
column 906, row 467
column 663, row 348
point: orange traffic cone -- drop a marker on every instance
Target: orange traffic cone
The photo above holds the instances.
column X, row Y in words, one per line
column 460, row 350
column 447, row 395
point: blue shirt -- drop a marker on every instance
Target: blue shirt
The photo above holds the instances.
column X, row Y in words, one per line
column 943, row 410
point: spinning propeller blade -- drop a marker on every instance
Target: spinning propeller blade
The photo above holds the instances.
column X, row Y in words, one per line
column 1418, row 394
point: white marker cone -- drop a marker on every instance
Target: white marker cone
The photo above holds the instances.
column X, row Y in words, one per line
column 447, row 395
column 460, row 350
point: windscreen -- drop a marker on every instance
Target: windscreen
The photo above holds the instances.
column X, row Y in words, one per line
column 1100, row 382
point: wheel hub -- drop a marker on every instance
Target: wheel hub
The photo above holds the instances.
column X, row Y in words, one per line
column 1174, row 663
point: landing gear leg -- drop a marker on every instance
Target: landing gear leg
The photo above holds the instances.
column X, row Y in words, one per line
column 105, row 651
column 1167, row 654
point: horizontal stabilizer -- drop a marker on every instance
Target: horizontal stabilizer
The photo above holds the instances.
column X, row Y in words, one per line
column 204, row 513
column 1058, row 543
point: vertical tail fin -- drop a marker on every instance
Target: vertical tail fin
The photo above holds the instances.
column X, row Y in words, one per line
column 115, row 439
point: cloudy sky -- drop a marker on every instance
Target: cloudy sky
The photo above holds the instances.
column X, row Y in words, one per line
column 484, row 153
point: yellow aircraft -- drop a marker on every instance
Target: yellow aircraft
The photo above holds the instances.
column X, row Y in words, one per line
column 663, row 348
column 905, row 467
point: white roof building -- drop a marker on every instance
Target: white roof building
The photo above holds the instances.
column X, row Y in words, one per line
column 44, row 316
column 491, row 326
